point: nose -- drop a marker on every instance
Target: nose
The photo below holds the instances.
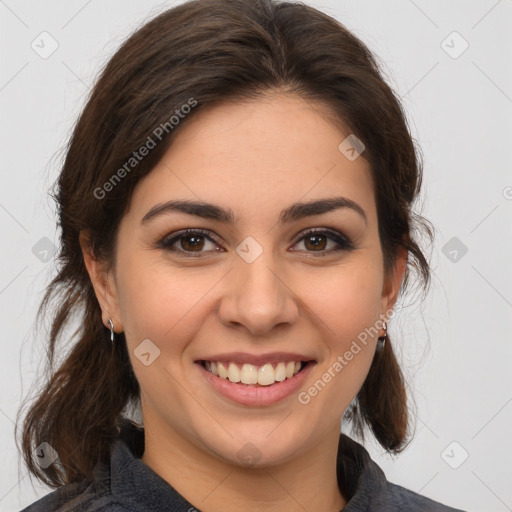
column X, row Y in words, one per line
column 257, row 297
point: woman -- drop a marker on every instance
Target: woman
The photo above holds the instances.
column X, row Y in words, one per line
column 236, row 216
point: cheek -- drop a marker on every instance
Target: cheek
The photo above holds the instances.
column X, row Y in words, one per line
column 346, row 305
column 160, row 302
column 347, row 300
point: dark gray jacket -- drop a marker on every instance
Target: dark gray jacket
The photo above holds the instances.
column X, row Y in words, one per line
column 126, row 484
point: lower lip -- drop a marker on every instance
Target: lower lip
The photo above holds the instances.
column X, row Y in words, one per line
column 254, row 394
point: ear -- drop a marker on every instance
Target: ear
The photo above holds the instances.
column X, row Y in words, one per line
column 393, row 282
column 103, row 283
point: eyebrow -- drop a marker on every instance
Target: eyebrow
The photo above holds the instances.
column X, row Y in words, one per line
column 293, row 213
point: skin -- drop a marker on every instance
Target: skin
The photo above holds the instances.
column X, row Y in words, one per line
column 255, row 157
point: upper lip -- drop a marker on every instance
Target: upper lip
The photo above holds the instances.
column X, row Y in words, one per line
column 257, row 359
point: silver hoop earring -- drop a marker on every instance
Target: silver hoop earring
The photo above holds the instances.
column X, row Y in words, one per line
column 111, row 330
column 382, row 339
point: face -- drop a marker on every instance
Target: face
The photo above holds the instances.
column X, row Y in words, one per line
column 261, row 283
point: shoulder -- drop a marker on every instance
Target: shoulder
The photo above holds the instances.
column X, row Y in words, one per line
column 94, row 495
column 368, row 488
column 67, row 499
column 86, row 496
column 74, row 498
column 400, row 498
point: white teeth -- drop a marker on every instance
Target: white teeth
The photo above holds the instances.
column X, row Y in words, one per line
column 264, row 375
column 233, row 373
column 249, row 374
column 290, row 367
column 223, row 372
column 280, row 372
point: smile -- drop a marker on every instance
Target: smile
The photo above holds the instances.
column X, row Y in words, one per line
column 264, row 375
column 255, row 380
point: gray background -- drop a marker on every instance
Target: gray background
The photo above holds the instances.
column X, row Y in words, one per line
column 455, row 347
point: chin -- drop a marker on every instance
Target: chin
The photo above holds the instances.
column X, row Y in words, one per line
column 260, row 448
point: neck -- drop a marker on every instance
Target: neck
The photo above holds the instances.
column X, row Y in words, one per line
column 307, row 482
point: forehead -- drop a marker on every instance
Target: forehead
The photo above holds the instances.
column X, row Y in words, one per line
column 258, row 154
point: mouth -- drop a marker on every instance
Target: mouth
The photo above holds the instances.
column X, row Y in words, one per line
column 256, row 381
column 254, row 375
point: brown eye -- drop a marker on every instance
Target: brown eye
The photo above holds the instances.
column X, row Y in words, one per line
column 324, row 242
column 189, row 242
column 315, row 242
column 192, row 242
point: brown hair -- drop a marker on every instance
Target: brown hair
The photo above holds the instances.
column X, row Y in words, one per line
column 206, row 51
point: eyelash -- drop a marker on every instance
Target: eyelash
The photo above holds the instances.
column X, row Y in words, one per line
column 166, row 243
